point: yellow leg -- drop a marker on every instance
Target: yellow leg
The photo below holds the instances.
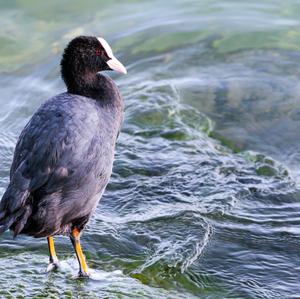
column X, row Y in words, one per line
column 53, row 257
column 75, row 238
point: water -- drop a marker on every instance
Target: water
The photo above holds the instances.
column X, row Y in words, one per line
column 204, row 197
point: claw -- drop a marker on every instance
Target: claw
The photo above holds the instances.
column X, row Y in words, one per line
column 82, row 274
column 52, row 266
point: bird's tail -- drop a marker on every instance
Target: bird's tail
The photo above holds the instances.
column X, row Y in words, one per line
column 7, row 221
column 15, row 221
column 14, row 212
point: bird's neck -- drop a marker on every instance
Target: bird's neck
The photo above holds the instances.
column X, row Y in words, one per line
column 95, row 86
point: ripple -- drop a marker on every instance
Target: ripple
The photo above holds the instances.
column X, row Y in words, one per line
column 204, row 197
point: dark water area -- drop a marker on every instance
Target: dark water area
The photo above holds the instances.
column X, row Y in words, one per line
column 204, row 196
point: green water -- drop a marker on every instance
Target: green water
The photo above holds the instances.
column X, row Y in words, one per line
column 204, row 197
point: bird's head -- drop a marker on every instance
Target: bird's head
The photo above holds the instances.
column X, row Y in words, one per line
column 85, row 56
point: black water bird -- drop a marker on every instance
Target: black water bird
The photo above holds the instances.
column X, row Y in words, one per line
column 63, row 158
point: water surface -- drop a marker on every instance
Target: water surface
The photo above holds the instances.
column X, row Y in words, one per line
column 204, row 197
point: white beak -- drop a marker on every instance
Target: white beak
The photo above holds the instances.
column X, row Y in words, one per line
column 116, row 65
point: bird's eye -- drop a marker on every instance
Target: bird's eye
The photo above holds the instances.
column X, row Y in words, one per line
column 98, row 52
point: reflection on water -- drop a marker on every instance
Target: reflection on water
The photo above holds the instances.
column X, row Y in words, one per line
column 204, row 198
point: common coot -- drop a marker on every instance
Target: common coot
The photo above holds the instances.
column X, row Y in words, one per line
column 63, row 158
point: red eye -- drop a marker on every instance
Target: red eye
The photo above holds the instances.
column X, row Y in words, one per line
column 98, row 52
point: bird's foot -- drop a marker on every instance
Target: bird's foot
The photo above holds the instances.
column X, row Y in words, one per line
column 53, row 265
column 82, row 274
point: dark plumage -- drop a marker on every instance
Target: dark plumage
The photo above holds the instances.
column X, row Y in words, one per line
column 64, row 155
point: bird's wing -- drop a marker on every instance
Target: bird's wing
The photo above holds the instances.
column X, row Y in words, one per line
column 45, row 146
